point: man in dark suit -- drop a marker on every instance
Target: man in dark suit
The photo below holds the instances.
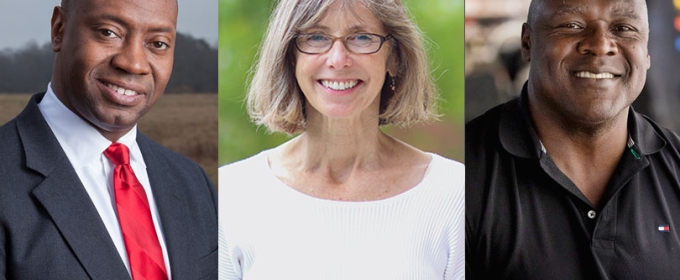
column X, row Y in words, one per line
column 83, row 195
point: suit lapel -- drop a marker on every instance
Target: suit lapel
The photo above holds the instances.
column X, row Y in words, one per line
column 172, row 209
column 65, row 199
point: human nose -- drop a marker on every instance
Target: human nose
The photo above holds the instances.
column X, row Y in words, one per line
column 338, row 55
column 598, row 41
column 132, row 58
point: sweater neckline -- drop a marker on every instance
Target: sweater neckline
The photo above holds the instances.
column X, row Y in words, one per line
column 285, row 189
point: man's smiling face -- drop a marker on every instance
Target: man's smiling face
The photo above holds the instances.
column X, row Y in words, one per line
column 114, row 59
column 589, row 59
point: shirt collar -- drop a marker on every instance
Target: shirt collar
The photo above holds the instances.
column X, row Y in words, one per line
column 644, row 133
column 518, row 137
column 81, row 142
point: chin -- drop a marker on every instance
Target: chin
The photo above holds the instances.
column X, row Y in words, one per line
column 116, row 121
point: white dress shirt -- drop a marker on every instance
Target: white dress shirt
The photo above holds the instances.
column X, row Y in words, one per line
column 84, row 146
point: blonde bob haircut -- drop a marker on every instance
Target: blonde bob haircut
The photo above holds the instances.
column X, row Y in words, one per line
column 274, row 98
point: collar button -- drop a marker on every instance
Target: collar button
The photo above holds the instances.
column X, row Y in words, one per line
column 592, row 214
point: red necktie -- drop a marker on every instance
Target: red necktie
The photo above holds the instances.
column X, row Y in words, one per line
column 141, row 242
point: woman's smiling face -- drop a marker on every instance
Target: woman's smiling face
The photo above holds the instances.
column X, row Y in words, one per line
column 339, row 83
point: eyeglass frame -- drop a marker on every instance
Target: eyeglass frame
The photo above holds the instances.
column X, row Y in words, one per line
column 344, row 41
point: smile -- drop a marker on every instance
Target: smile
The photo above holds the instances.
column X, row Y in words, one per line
column 590, row 75
column 121, row 90
column 334, row 85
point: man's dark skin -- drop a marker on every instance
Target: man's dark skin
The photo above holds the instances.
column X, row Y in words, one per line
column 102, row 46
column 589, row 61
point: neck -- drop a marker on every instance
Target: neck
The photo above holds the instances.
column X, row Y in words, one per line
column 587, row 154
column 587, row 140
column 112, row 134
column 338, row 147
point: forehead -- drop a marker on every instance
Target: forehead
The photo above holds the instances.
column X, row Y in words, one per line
column 347, row 15
column 631, row 9
column 150, row 12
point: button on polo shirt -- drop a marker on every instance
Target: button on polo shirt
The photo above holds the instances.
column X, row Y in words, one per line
column 526, row 220
column 591, row 214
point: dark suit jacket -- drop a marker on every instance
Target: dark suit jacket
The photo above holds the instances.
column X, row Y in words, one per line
column 50, row 229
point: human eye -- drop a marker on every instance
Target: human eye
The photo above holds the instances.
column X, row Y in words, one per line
column 571, row 25
column 107, row 33
column 362, row 39
column 315, row 39
column 623, row 28
column 160, row 45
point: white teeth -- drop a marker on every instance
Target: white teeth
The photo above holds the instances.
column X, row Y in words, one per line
column 589, row 75
column 121, row 90
column 339, row 85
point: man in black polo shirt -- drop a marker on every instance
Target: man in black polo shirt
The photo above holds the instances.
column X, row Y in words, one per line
column 567, row 181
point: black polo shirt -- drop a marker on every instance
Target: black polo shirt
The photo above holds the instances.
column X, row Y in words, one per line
column 526, row 220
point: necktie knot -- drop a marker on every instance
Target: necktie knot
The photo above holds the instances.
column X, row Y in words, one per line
column 118, row 154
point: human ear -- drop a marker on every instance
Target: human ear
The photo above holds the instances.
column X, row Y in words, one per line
column 393, row 64
column 57, row 28
column 649, row 62
column 526, row 42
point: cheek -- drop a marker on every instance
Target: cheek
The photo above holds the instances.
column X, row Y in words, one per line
column 552, row 49
column 162, row 71
column 640, row 61
column 304, row 70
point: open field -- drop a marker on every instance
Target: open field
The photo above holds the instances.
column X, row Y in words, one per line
column 185, row 123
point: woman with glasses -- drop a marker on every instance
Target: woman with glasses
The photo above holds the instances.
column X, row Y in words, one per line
column 342, row 199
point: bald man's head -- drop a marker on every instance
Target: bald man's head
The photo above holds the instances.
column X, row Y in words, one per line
column 66, row 5
column 533, row 11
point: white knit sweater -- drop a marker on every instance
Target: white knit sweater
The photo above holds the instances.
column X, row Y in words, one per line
column 271, row 231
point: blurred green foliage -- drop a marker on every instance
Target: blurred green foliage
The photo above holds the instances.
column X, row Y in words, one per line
column 241, row 28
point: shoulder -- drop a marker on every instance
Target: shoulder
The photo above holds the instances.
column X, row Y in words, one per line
column 245, row 178
column 652, row 137
column 482, row 127
column 10, row 140
column 446, row 178
column 9, row 132
column 174, row 169
column 256, row 164
column 156, row 151
column 442, row 167
column 668, row 135
column 26, row 130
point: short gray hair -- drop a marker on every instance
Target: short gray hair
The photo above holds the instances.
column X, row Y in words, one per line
column 275, row 100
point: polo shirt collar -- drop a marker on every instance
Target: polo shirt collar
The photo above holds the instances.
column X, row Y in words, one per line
column 516, row 129
column 518, row 137
column 644, row 133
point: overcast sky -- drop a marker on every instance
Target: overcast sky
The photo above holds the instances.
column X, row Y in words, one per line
column 22, row 21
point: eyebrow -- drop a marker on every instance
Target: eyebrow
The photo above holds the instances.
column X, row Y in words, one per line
column 353, row 29
column 626, row 12
column 123, row 22
column 620, row 11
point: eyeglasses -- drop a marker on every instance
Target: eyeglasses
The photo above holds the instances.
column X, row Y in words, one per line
column 358, row 43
